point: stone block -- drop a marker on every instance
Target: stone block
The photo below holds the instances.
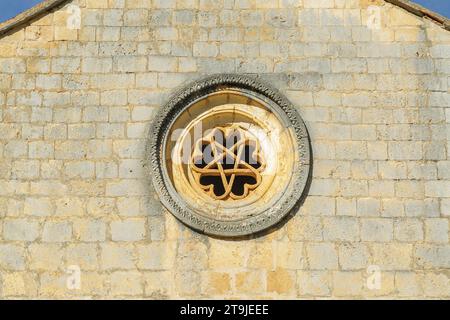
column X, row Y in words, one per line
column 157, row 284
column 38, row 206
column 157, row 255
column 12, row 257
column 340, row 229
column 250, row 282
column 126, row 283
column 18, row 284
column 322, row 256
column 281, row 281
column 88, row 230
column 408, row 230
column 436, row 230
column 128, row 230
column 20, row 230
column 45, row 257
column 117, row 257
column 377, row 230
column 347, row 283
column 57, row 232
column 82, row 255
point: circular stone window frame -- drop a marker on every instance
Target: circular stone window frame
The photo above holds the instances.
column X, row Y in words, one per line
column 170, row 198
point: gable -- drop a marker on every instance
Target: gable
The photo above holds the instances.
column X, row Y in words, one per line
column 47, row 6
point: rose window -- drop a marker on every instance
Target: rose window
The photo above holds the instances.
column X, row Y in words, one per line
column 229, row 155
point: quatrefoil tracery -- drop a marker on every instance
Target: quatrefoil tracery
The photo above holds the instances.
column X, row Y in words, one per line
column 227, row 163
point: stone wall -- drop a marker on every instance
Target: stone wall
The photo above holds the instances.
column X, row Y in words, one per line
column 75, row 109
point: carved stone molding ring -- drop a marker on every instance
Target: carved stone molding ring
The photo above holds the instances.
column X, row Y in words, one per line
column 230, row 155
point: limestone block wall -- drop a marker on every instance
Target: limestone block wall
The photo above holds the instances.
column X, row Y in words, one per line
column 76, row 104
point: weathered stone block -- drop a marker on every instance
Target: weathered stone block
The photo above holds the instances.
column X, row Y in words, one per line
column 353, row 256
column 347, row 283
column 322, row 256
column 45, row 257
column 157, row 255
column 314, row 283
column 20, row 230
column 57, row 232
column 82, row 255
column 341, row 228
column 38, row 206
column 392, row 256
column 126, row 283
column 250, row 282
column 128, row 230
column 12, row 257
column 18, row 284
column 408, row 230
column 281, row 281
column 116, row 256
column 40, row 150
column 378, row 230
column 89, row 230
column 436, row 230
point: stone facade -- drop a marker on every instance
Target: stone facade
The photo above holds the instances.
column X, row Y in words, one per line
column 370, row 79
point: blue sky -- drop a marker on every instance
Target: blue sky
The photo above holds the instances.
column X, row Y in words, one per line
column 439, row 6
column 10, row 8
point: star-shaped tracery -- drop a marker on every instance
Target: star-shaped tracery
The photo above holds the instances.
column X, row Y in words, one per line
column 227, row 163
